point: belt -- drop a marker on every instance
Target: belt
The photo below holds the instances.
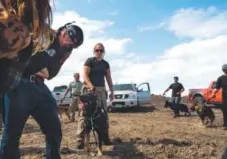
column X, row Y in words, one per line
column 75, row 95
column 33, row 78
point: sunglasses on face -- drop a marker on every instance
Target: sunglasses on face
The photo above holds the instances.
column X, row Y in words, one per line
column 99, row 50
column 72, row 35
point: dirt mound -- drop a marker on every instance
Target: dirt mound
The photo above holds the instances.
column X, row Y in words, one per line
column 147, row 132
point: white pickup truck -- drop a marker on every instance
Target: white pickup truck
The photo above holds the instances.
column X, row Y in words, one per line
column 58, row 93
column 130, row 95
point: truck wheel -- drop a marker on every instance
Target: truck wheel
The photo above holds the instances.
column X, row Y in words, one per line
column 199, row 99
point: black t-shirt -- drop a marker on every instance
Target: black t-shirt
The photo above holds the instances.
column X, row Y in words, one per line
column 222, row 83
column 176, row 87
column 52, row 59
column 97, row 71
column 37, row 62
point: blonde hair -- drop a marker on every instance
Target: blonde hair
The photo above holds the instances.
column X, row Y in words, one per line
column 35, row 14
column 99, row 44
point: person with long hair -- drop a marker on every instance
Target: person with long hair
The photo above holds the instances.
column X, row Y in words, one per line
column 25, row 29
column 96, row 69
column 33, row 97
column 23, row 22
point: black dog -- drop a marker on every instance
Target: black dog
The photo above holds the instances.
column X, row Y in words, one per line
column 204, row 112
column 181, row 107
column 95, row 120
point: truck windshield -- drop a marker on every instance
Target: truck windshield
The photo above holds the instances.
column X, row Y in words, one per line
column 121, row 87
column 60, row 89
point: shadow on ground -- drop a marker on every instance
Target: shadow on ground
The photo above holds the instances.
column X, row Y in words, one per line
column 42, row 150
column 120, row 150
column 129, row 149
column 140, row 109
column 30, row 128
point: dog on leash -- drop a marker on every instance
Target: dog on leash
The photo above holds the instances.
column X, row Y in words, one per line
column 181, row 107
column 95, row 120
column 205, row 113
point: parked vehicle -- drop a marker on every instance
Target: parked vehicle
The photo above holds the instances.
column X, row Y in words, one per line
column 130, row 95
column 203, row 94
column 58, row 93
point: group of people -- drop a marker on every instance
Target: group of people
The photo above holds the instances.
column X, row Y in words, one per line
column 221, row 83
column 30, row 53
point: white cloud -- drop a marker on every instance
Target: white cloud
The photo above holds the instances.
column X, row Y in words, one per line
column 196, row 62
column 199, row 23
column 151, row 27
column 94, row 32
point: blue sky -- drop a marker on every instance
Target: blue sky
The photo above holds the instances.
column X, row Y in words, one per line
column 177, row 32
column 134, row 13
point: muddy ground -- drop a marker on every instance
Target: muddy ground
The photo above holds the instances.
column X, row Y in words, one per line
column 141, row 133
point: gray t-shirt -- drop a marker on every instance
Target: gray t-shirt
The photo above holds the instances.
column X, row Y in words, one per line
column 75, row 87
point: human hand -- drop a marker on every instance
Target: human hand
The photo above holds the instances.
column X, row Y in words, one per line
column 82, row 106
column 111, row 96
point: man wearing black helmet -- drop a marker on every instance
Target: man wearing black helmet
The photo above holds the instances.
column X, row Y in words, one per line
column 222, row 83
column 177, row 89
column 32, row 96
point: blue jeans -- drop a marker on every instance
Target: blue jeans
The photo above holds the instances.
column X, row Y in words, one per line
column 27, row 99
column 176, row 101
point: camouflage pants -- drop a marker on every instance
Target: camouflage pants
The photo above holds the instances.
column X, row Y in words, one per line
column 74, row 105
column 101, row 92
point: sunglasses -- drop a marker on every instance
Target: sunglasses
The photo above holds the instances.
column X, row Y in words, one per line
column 72, row 35
column 99, row 50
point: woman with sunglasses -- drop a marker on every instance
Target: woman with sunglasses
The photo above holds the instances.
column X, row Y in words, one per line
column 96, row 69
column 33, row 97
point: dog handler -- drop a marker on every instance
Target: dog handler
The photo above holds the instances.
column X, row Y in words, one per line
column 21, row 23
column 95, row 71
column 222, row 83
column 177, row 89
column 75, row 90
column 32, row 96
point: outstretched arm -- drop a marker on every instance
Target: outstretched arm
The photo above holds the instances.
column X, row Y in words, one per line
column 170, row 87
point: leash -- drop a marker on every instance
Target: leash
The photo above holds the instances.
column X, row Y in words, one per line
column 93, row 117
column 93, row 125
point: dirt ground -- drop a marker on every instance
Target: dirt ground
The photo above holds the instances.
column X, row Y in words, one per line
column 148, row 132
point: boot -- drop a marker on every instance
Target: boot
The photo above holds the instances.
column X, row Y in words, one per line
column 80, row 145
column 106, row 139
